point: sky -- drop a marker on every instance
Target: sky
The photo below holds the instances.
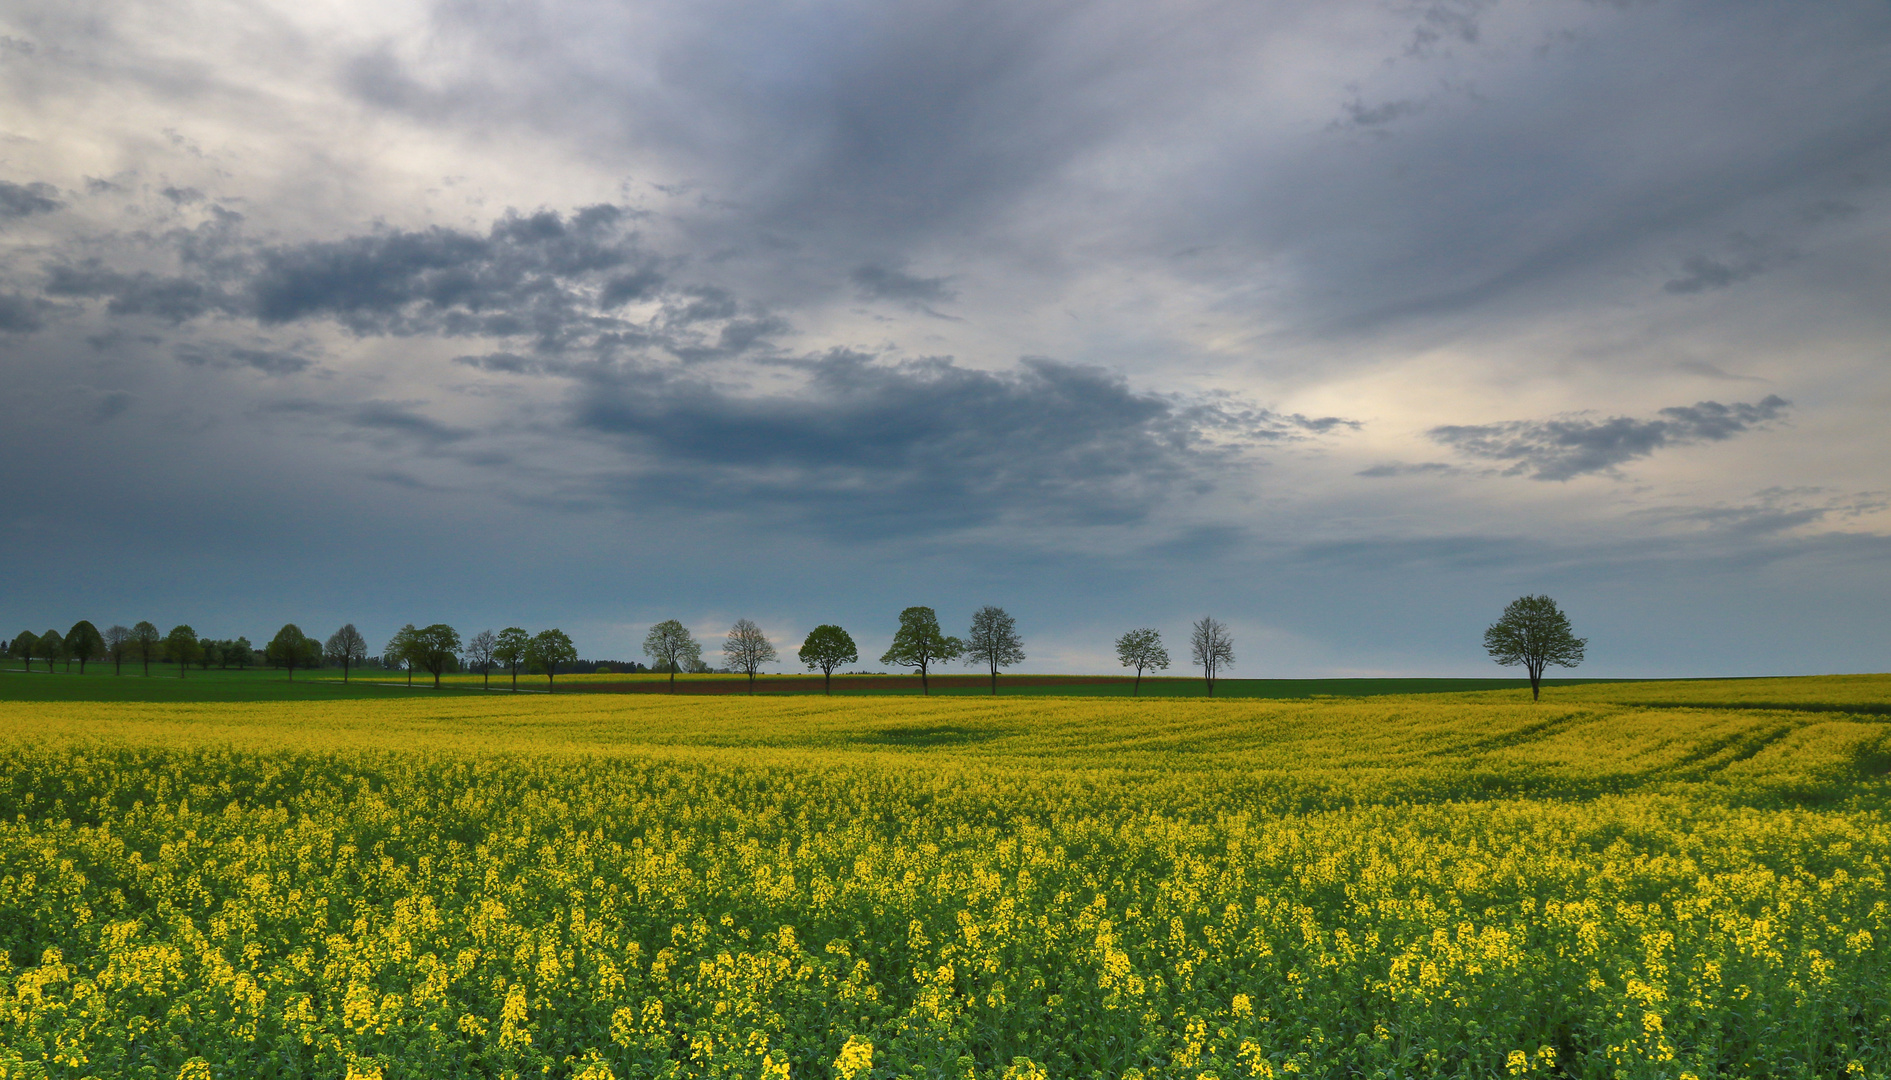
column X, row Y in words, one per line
column 1345, row 324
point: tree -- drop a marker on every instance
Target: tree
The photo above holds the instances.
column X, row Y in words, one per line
column 550, row 648
column 208, row 652
column 435, row 649
column 84, row 642
column 668, row 642
column 918, row 644
column 239, row 653
column 509, row 649
column 1533, row 632
column 25, row 646
column 180, row 647
column 117, row 641
column 479, row 649
column 828, row 647
column 993, row 641
column 747, row 649
column 52, row 647
column 348, row 648
column 400, row 649
column 287, row 649
column 1142, row 649
column 1212, row 647
column 144, row 637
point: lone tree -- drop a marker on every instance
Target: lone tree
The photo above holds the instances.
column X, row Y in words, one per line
column 550, row 648
column 52, row 647
column 346, row 647
column 239, row 653
column 84, row 642
column 117, row 641
column 25, row 646
column 479, row 649
column 400, row 649
column 144, row 638
column 509, row 649
column 1532, row 632
column 288, row 648
column 668, row 642
column 918, row 644
column 993, row 641
column 828, row 647
column 1212, row 647
column 181, row 647
column 1142, row 649
column 435, row 649
column 747, row 649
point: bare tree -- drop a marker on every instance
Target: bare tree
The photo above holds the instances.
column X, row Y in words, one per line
column 1212, row 648
column 479, row 654
column 347, row 647
column 1533, row 632
column 1142, row 649
column 993, row 641
column 117, row 640
column 747, row 649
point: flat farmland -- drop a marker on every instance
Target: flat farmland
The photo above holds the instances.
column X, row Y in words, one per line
column 1623, row 880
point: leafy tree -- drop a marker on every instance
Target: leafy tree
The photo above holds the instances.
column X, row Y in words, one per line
column 240, row 653
column 145, row 638
column 435, row 649
column 747, row 649
column 509, row 649
column 1211, row 647
column 993, row 641
column 828, row 647
column 180, row 647
column 400, row 650
column 550, row 648
column 52, row 647
column 347, row 647
column 84, row 642
column 288, row 649
column 1534, row 633
column 1142, row 649
column 479, row 649
column 117, row 641
column 209, row 652
column 668, row 642
column 25, row 646
column 919, row 644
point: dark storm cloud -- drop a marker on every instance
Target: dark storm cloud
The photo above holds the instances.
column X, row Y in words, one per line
column 881, row 283
column 24, row 200
column 20, row 314
column 874, row 448
column 1566, row 448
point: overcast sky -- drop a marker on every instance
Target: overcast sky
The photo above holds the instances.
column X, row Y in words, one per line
column 1343, row 323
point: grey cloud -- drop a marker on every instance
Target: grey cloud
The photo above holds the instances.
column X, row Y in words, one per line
column 387, row 419
column 1562, row 449
column 872, row 448
column 182, row 196
column 1402, row 468
column 175, row 298
column 111, row 405
column 881, row 283
column 1700, row 273
column 25, row 200
column 267, row 361
column 20, row 314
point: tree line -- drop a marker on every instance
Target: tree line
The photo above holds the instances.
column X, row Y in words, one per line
column 1532, row 633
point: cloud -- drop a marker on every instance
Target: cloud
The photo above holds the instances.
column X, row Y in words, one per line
column 917, row 446
column 20, row 314
column 881, row 283
column 1402, row 468
column 390, row 421
column 1562, row 449
column 1700, row 273
column 25, row 200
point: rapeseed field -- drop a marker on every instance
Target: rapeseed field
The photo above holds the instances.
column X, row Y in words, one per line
column 1686, row 881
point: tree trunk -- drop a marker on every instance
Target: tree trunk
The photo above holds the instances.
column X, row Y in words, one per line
column 925, row 688
column 751, row 682
column 548, row 680
column 994, row 680
column 1136, row 687
column 827, row 681
column 436, row 678
column 672, row 676
column 515, row 678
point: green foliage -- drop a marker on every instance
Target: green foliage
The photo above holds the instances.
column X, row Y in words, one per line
column 288, row 649
column 181, row 647
column 669, row 644
column 509, row 649
column 1532, row 632
column 1142, row 649
column 550, row 648
column 145, row 639
column 84, row 642
column 919, row 644
column 25, row 645
column 827, row 647
column 435, row 648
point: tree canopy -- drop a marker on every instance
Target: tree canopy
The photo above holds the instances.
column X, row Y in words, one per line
column 347, row 647
column 435, row 648
column 289, row 648
column 993, row 641
column 509, row 649
column 146, row 639
column 919, row 644
column 550, row 648
column 1142, row 649
column 25, row 646
column 668, row 642
column 180, row 647
column 1533, row 632
column 826, row 648
column 52, row 647
column 84, row 642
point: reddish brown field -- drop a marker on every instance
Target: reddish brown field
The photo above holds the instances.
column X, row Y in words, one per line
column 801, row 684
